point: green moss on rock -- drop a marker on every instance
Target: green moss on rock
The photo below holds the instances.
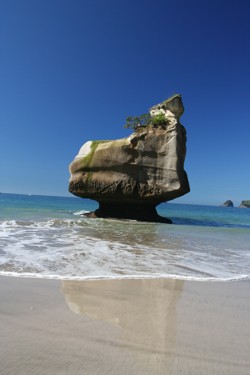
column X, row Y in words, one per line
column 86, row 160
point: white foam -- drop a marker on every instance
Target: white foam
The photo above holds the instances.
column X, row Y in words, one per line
column 123, row 277
column 80, row 213
column 85, row 249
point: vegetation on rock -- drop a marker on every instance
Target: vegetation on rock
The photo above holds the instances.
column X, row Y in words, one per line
column 159, row 120
column 146, row 119
column 134, row 121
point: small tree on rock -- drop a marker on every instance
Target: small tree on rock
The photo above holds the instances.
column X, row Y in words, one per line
column 136, row 122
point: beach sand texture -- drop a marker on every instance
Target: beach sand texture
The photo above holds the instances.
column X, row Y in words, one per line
column 157, row 326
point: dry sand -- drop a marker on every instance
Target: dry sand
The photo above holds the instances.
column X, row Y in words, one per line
column 124, row 327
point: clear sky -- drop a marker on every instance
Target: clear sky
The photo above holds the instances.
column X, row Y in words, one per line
column 73, row 70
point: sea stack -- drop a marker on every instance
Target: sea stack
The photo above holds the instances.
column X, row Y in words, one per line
column 228, row 203
column 245, row 204
column 129, row 177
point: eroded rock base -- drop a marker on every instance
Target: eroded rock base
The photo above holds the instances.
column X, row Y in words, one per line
column 128, row 211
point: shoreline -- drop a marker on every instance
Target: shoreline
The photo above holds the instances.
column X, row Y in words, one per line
column 208, row 279
column 136, row 326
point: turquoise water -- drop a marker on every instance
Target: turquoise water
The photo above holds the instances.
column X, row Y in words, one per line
column 48, row 237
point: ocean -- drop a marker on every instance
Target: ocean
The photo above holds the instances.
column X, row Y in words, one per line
column 47, row 237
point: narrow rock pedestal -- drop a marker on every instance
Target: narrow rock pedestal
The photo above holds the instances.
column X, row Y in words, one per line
column 139, row 212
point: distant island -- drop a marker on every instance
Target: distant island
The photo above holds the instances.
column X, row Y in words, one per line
column 228, row 203
column 244, row 204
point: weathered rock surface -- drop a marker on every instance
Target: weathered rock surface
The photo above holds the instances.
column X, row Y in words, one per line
column 245, row 204
column 129, row 177
column 228, row 203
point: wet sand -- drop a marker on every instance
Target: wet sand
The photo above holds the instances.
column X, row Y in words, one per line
column 124, row 327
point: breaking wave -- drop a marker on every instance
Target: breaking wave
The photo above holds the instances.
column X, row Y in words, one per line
column 83, row 249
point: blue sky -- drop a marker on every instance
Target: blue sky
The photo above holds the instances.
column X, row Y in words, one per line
column 72, row 71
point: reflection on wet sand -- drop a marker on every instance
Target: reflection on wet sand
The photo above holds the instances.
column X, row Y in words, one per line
column 120, row 327
column 146, row 314
column 166, row 326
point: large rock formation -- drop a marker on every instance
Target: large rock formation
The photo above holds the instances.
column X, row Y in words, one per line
column 129, row 177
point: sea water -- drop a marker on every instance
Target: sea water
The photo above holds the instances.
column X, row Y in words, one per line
column 49, row 237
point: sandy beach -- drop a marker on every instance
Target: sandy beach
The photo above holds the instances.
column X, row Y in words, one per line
column 124, row 327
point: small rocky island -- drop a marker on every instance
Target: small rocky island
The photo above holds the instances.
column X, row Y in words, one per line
column 228, row 203
column 129, row 177
column 245, row 204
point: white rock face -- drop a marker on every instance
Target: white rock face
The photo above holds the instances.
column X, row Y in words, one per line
column 84, row 150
